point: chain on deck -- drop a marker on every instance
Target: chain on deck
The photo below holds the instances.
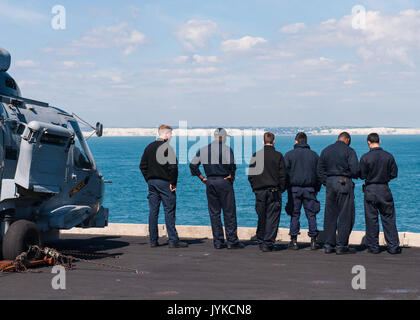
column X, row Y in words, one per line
column 36, row 256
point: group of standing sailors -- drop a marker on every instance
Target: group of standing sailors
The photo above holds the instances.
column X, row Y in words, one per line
column 301, row 172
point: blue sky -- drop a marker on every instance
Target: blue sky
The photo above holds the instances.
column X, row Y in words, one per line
column 258, row 63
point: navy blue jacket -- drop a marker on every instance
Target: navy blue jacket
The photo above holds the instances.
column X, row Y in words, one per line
column 338, row 159
column 301, row 166
column 378, row 167
column 217, row 160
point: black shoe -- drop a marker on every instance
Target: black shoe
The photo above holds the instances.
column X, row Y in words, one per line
column 329, row 250
column 178, row 244
column 314, row 245
column 396, row 251
column 374, row 251
column 237, row 245
column 345, row 250
column 293, row 244
column 266, row 248
column 219, row 246
column 154, row 244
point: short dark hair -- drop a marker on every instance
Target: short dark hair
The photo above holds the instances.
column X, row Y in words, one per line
column 344, row 135
column 373, row 138
column 268, row 138
column 301, row 137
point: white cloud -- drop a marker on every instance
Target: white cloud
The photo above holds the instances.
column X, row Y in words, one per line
column 205, row 70
column 328, row 22
column 200, row 81
column 321, row 61
column 311, row 94
column 275, row 55
column 196, row 59
column 195, row 34
column 120, row 36
column 293, row 28
column 365, row 53
column 19, row 14
column 69, row 64
column 371, row 94
column 134, row 12
column 75, row 64
column 198, row 71
column 181, row 59
column 346, row 68
column 350, row 82
column 116, row 79
column 123, row 86
column 243, row 44
column 204, row 59
column 109, row 77
column 25, row 84
column 385, row 38
column 26, row 64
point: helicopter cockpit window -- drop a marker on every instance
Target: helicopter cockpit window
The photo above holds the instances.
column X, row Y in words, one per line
column 80, row 157
column 21, row 129
column 80, row 160
column 53, row 139
column 10, row 83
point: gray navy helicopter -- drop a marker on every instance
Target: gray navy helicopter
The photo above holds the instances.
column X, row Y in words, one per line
column 48, row 177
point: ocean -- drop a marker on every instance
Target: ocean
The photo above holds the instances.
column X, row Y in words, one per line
column 118, row 160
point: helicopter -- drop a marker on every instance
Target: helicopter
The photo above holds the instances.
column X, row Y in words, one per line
column 49, row 180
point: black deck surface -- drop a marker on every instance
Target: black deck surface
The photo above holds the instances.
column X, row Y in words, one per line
column 201, row 272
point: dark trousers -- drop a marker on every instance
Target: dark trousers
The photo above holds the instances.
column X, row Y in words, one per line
column 339, row 211
column 268, row 207
column 220, row 195
column 305, row 196
column 378, row 199
column 159, row 192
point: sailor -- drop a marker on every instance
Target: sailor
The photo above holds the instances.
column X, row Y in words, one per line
column 377, row 168
column 303, row 187
column 159, row 167
column 219, row 166
column 267, row 176
column 337, row 166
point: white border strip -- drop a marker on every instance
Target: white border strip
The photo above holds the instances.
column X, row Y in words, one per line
column 407, row 239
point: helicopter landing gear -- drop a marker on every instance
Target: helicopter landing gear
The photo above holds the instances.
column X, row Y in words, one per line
column 19, row 237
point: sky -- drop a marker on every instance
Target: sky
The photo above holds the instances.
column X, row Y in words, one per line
column 253, row 63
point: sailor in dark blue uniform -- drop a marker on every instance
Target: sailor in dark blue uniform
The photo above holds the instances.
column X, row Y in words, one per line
column 267, row 176
column 303, row 187
column 337, row 166
column 377, row 168
column 219, row 166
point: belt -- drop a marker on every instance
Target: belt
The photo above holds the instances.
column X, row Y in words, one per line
column 272, row 189
column 338, row 176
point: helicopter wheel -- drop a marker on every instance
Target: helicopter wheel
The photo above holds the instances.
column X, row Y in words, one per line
column 21, row 235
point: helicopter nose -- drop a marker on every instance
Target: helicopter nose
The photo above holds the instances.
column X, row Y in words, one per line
column 4, row 60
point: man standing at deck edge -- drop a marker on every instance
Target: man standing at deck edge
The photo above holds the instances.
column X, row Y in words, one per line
column 159, row 167
column 219, row 166
column 377, row 168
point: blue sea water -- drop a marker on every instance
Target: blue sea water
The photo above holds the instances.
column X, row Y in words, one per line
column 118, row 160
